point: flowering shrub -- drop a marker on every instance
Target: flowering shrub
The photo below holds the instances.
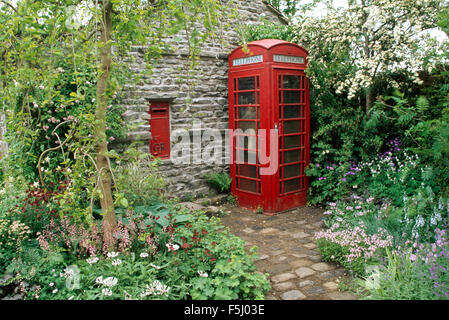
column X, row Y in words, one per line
column 352, row 247
column 389, row 176
column 39, row 206
column 12, row 235
column 423, row 214
column 416, row 272
column 196, row 262
column 58, row 106
column 133, row 232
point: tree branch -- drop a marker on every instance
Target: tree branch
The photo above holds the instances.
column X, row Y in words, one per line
column 9, row 5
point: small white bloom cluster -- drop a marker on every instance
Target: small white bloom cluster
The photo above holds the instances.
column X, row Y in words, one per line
column 107, row 292
column 108, row 282
column 155, row 266
column 112, row 254
column 377, row 38
column 172, row 247
column 144, row 255
column 92, row 260
column 155, row 288
column 116, row 262
column 67, row 273
column 203, row 274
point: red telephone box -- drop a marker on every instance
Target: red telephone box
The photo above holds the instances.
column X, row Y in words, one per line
column 160, row 129
column 268, row 90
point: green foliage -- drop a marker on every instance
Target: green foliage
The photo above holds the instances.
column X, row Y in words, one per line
column 192, row 261
column 287, row 7
column 268, row 31
column 402, row 278
column 137, row 181
column 425, row 126
column 331, row 251
column 221, row 181
column 231, row 199
column 443, row 20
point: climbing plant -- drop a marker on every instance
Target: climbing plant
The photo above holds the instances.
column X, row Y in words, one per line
column 62, row 71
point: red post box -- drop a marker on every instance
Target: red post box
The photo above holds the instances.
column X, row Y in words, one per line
column 268, row 90
column 160, row 129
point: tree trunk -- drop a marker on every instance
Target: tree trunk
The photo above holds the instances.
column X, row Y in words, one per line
column 369, row 99
column 106, row 201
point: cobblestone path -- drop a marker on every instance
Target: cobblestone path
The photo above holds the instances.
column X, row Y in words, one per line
column 287, row 251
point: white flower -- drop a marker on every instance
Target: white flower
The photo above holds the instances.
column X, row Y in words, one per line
column 92, row 260
column 110, row 281
column 203, row 274
column 172, row 247
column 55, row 291
column 116, row 262
column 155, row 266
column 144, row 255
column 36, row 184
column 67, row 273
column 99, row 280
column 107, row 292
column 156, row 288
column 112, row 254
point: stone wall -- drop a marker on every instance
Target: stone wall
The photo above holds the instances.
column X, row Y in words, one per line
column 209, row 100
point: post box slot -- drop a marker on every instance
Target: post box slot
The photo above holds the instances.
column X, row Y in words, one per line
column 158, row 110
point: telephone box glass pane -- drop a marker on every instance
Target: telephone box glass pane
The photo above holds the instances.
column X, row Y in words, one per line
column 292, row 126
column 291, row 185
column 246, row 157
column 292, row 142
column 292, row 112
column 291, row 156
column 247, row 113
column 291, row 82
column 291, row 96
column 292, row 171
column 248, row 185
column 247, row 171
column 247, row 142
column 247, row 98
column 247, row 83
column 248, row 127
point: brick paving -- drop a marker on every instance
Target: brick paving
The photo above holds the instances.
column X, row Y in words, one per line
column 288, row 252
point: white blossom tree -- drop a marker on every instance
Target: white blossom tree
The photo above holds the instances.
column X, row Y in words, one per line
column 371, row 37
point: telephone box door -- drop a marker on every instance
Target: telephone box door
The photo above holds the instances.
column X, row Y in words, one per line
column 291, row 114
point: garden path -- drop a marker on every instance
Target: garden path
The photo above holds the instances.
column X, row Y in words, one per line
column 287, row 251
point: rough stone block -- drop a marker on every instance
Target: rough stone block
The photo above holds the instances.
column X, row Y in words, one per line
column 304, row 272
column 293, row 295
column 283, row 277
